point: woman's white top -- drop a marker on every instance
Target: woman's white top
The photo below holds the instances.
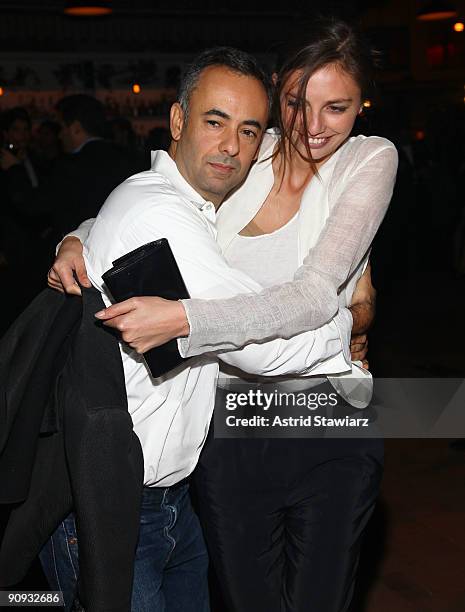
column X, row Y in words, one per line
column 269, row 258
column 339, row 216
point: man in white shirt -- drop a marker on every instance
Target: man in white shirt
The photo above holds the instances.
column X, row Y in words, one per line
column 216, row 127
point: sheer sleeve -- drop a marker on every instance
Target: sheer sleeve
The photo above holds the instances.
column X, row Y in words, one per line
column 311, row 298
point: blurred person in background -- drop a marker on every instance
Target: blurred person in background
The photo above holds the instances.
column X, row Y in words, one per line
column 17, row 136
column 81, row 180
column 48, row 144
column 93, row 168
column 75, row 189
column 20, row 231
column 123, row 134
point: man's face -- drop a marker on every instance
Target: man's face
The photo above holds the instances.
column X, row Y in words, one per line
column 217, row 142
column 71, row 134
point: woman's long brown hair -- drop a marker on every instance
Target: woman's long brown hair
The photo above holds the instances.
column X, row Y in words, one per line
column 328, row 41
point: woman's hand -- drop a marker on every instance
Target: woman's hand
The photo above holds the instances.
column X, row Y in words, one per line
column 146, row 322
column 69, row 260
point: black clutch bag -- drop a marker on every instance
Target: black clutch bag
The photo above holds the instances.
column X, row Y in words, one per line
column 150, row 270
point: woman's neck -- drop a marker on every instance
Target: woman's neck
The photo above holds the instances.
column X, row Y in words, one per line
column 294, row 175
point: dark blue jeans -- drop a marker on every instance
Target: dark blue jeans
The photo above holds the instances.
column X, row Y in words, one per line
column 171, row 563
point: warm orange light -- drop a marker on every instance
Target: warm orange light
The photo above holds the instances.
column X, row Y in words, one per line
column 136, row 88
column 459, row 26
column 437, row 16
column 419, row 135
column 1, row 91
column 88, row 11
column 367, row 104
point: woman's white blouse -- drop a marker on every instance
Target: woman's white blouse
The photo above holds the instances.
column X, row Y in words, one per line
column 339, row 216
column 269, row 259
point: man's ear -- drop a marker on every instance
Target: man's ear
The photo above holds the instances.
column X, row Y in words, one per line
column 76, row 128
column 176, row 121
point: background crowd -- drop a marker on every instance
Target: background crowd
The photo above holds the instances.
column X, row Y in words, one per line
column 54, row 174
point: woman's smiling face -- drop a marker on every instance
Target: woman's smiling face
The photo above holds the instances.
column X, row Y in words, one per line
column 332, row 102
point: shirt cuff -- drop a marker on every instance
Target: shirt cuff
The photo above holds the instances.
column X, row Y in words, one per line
column 344, row 322
column 72, row 234
column 184, row 343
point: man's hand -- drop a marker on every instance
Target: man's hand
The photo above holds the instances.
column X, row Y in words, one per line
column 69, row 260
column 359, row 348
column 146, row 322
column 362, row 307
column 363, row 304
column 8, row 160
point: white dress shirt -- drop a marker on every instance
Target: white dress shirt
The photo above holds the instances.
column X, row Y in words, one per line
column 171, row 414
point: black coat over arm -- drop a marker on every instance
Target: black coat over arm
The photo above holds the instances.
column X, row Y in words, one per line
column 66, row 442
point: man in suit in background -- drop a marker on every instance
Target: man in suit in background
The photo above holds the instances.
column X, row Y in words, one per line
column 83, row 179
column 95, row 166
column 78, row 184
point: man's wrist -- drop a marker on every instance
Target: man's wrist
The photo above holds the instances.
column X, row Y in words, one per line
column 183, row 327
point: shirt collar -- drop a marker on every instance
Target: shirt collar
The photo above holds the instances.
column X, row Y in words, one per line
column 91, row 139
column 165, row 165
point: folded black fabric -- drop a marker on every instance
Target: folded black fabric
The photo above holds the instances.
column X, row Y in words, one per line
column 150, row 270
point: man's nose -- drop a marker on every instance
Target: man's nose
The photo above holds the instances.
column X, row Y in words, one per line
column 230, row 143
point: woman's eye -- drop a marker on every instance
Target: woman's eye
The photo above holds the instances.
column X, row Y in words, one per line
column 337, row 109
column 292, row 102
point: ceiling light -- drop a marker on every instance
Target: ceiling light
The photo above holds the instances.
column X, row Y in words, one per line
column 87, row 8
column 436, row 11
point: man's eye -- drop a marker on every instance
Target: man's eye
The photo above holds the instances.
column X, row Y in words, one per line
column 213, row 123
column 249, row 133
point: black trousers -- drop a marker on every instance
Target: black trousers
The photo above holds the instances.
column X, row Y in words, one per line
column 283, row 518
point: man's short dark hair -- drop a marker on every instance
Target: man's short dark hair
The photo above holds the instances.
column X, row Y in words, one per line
column 227, row 57
column 87, row 110
column 14, row 114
